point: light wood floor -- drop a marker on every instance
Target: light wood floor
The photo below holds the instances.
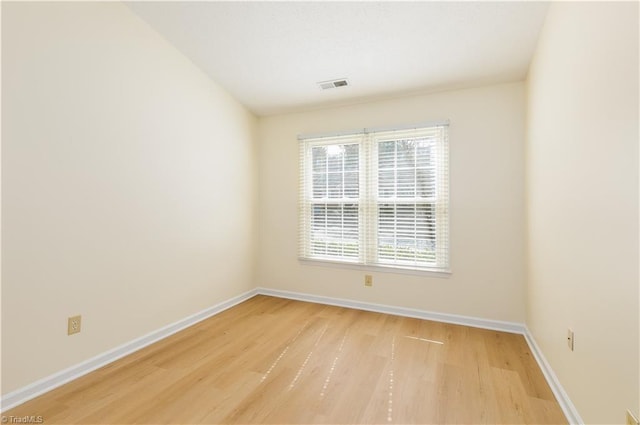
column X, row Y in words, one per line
column 270, row 360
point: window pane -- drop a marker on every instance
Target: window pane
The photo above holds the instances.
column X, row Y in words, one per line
column 336, row 171
column 335, row 157
column 425, row 182
column 386, row 183
column 334, row 221
column 406, row 153
column 319, row 222
column 406, row 233
column 406, row 184
column 351, row 184
column 335, row 185
column 426, row 233
column 386, row 231
column 335, row 231
column 350, row 222
column 424, row 151
column 319, row 158
column 386, row 155
column 351, row 158
column 319, row 185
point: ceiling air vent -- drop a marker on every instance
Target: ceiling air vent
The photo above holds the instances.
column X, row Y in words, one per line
column 326, row 85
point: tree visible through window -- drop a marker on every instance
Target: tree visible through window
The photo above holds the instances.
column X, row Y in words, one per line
column 376, row 198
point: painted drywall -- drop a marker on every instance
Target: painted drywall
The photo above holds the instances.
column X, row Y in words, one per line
column 128, row 185
column 487, row 204
column 582, row 202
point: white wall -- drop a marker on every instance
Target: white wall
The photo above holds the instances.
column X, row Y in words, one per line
column 582, row 186
column 487, row 204
column 128, row 185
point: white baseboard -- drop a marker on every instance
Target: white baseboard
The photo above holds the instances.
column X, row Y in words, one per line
column 50, row 382
column 455, row 319
column 566, row 405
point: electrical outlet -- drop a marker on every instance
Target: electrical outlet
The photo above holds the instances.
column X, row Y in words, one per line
column 368, row 280
column 74, row 325
column 631, row 420
column 570, row 339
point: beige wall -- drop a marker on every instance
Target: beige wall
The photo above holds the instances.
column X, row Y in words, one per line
column 487, row 204
column 582, row 174
column 128, row 185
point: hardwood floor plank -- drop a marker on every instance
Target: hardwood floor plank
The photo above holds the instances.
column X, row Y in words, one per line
column 271, row 360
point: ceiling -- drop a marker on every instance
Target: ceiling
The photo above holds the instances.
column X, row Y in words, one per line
column 271, row 55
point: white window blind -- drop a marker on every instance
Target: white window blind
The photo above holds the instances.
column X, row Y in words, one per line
column 376, row 198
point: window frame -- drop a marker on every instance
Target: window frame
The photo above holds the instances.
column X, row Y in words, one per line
column 368, row 200
column 306, row 184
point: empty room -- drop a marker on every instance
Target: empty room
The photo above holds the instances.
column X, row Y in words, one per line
column 320, row 212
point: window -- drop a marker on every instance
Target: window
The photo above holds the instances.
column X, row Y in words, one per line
column 378, row 198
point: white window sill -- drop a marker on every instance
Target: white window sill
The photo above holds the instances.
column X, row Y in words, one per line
column 384, row 269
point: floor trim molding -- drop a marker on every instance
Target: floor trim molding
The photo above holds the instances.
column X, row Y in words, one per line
column 568, row 408
column 455, row 319
column 50, row 382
